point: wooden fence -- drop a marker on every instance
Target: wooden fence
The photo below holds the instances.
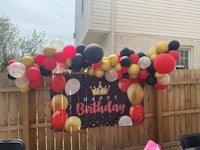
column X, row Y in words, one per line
column 169, row 114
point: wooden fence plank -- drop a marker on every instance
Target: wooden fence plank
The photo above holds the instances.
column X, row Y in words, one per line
column 25, row 120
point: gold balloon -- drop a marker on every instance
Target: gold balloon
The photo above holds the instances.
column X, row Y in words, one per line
column 68, row 62
column 73, row 123
column 105, row 64
column 99, row 73
column 151, row 51
column 59, row 101
column 28, row 61
column 91, row 71
column 49, row 51
column 113, row 58
column 24, row 90
column 118, row 67
column 161, row 47
column 134, row 69
column 135, row 93
column 158, row 75
column 153, row 56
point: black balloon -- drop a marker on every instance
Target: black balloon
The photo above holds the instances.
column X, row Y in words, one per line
column 140, row 54
column 80, row 48
column 86, row 64
column 45, row 72
column 173, row 45
column 131, row 52
column 125, row 52
column 151, row 80
column 11, row 77
column 77, row 60
column 93, row 53
column 125, row 61
column 151, row 69
column 75, row 68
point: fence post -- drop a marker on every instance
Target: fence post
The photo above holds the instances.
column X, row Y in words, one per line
column 159, row 117
column 25, row 119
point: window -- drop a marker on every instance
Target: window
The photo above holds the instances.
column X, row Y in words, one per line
column 184, row 61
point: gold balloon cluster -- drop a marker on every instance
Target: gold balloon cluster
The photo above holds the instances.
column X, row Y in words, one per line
column 60, row 102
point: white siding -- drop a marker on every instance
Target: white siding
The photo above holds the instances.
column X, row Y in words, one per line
column 81, row 20
column 175, row 18
column 101, row 15
column 141, row 43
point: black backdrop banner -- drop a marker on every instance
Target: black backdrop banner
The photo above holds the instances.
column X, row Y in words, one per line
column 98, row 101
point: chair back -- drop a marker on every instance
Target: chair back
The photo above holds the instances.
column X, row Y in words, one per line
column 15, row 144
column 190, row 140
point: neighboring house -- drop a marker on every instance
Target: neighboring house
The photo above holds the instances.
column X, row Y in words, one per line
column 139, row 25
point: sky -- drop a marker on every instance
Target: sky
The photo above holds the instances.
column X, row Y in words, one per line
column 55, row 17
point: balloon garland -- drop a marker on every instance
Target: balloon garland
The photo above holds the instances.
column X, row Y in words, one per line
column 132, row 70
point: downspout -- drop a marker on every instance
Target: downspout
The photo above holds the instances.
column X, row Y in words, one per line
column 112, row 28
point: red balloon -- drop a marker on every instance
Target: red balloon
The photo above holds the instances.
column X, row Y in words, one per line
column 164, row 63
column 36, row 83
column 175, row 54
column 160, row 86
column 143, row 74
column 60, row 57
column 136, row 112
column 39, row 59
column 33, row 73
column 134, row 58
column 96, row 65
column 69, row 51
column 137, row 80
column 124, row 69
column 119, row 75
column 10, row 62
column 123, row 84
column 57, row 82
column 49, row 63
column 58, row 119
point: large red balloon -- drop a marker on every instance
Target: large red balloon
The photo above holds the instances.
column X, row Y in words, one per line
column 49, row 63
column 69, row 51
column 164, row 63
column 123, row 84
column 39, row 59
column 136, row 112
column 33, row 73
column 57, row 82
column 58, row 119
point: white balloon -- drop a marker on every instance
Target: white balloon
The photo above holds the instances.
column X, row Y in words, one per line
column 164, row 80
column 111, row 75
column 125, row 121
column 16, row 69
column 72, row 86
column 57, row 44
column 22, row 82
column 144, row 62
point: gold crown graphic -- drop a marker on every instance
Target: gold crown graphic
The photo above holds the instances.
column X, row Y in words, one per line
column 100, row 90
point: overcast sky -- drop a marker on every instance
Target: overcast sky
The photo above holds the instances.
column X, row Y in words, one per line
column 55, row 17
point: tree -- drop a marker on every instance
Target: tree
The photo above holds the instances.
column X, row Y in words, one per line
column 13, row 46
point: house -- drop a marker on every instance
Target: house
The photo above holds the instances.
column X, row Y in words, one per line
column 139, row 25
